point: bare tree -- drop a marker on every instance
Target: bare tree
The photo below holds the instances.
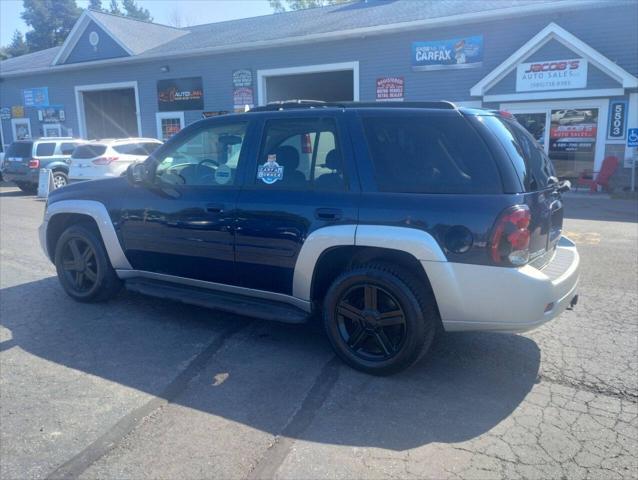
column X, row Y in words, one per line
column 177, row 19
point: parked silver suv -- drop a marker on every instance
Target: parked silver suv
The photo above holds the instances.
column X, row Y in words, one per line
column 24, row 159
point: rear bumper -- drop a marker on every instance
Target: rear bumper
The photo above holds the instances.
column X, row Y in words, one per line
column 474, row 297
column 22, row 177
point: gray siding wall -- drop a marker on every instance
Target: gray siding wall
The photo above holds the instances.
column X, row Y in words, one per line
column 614, row 35
column 106, row 47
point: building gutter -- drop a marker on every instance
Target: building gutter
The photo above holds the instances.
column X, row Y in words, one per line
column 506, row 13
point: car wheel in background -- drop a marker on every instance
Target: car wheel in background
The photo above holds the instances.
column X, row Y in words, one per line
column 60, row 179
column 379, row 318
column 83, row 267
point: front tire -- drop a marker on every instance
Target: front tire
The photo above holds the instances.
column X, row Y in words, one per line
column 83, row 266
column 379, row 318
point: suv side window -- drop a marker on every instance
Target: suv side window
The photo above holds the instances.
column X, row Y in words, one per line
column 45, row 149
column 429, row 153
column 300, row 154
column 208, row 157
column 66, row 148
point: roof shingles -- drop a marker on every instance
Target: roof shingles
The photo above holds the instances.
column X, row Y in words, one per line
column 146, row 39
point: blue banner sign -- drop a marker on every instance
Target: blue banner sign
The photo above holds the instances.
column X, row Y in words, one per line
column 466, row 52
column 36, row 97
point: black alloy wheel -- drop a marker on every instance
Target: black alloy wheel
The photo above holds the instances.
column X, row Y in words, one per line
column 80, row 265
column 379, row 318
column 371, row 322
column 83, row 266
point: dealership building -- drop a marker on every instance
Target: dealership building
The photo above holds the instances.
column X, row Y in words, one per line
column 567, row 69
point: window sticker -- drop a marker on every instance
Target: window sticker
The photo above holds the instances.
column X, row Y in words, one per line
column 222, row 175
column 270, row 171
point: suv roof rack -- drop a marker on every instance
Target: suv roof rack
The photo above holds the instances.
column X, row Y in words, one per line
column 297, row 104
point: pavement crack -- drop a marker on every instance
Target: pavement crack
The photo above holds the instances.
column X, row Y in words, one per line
column 590, row 387
column 74, row 467
column 278, row 450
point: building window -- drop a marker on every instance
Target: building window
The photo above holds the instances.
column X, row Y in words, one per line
column 168, row 124
column 52, row 130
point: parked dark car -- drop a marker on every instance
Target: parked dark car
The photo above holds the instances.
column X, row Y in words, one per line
column 24, row 159
column 388, row 222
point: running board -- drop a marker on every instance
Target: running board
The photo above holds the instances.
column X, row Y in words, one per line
column 227, row 302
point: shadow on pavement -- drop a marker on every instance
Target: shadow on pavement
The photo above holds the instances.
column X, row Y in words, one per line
column 464, row 387
column 16, row 193
column 608, row 210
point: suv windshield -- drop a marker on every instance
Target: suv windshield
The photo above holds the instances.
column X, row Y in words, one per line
column 89, row 151
column 20, row 150
column 532, row 164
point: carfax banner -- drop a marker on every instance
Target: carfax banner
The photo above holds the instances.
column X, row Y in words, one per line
column 466, row 52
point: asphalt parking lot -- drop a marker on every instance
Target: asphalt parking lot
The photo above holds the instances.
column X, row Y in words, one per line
column 145, row 388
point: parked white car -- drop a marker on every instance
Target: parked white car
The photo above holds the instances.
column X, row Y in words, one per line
column 109, row 157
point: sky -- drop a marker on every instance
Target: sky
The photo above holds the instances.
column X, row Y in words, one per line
column 191, row 12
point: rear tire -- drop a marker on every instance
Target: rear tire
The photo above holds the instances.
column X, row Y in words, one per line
column 83, row 267
column 379, row 318
column 60, row 179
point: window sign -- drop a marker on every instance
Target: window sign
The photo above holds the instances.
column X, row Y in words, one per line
column 52, row 114
column 466, row 52
column 17, row 111
column 242, row 78
column 390, row 89
column 179, row 94
column 617, row 120
column 21, row 128
column 551, row 75
column 36, row 97
column 242, row 96
column 572, row 140
column 5, row 113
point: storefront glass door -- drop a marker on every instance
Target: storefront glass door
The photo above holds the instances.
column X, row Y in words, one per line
column 572, row 140
column 569, row 136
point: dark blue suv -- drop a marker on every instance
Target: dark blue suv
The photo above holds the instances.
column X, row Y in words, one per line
column 388, row 221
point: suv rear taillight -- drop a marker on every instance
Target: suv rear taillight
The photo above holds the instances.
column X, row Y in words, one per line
column 34, row 163
column 105, row 160
column 509, row 244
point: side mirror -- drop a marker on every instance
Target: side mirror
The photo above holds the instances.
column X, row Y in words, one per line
column 137, row 173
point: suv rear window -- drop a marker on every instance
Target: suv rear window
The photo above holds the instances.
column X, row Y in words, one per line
column 88, row 151
column 429, row 153
column 67, row 148
column 45, row 149
column 20, row 150
column 533, row 166
column 143, row 149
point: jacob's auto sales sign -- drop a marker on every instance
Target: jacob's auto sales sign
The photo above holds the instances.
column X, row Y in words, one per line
column 551, row 75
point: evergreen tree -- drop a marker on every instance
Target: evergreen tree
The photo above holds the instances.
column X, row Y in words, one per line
column 114, row 8
column 285, row 5
column 50, row 20
column 133, row 10
column 96, row 5
column 17, row 46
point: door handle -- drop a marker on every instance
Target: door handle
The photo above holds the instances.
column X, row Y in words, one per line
column 328, row 213
column 214, row 208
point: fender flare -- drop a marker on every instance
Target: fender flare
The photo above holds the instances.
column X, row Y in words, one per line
column 97, row 211
column 418, row 243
